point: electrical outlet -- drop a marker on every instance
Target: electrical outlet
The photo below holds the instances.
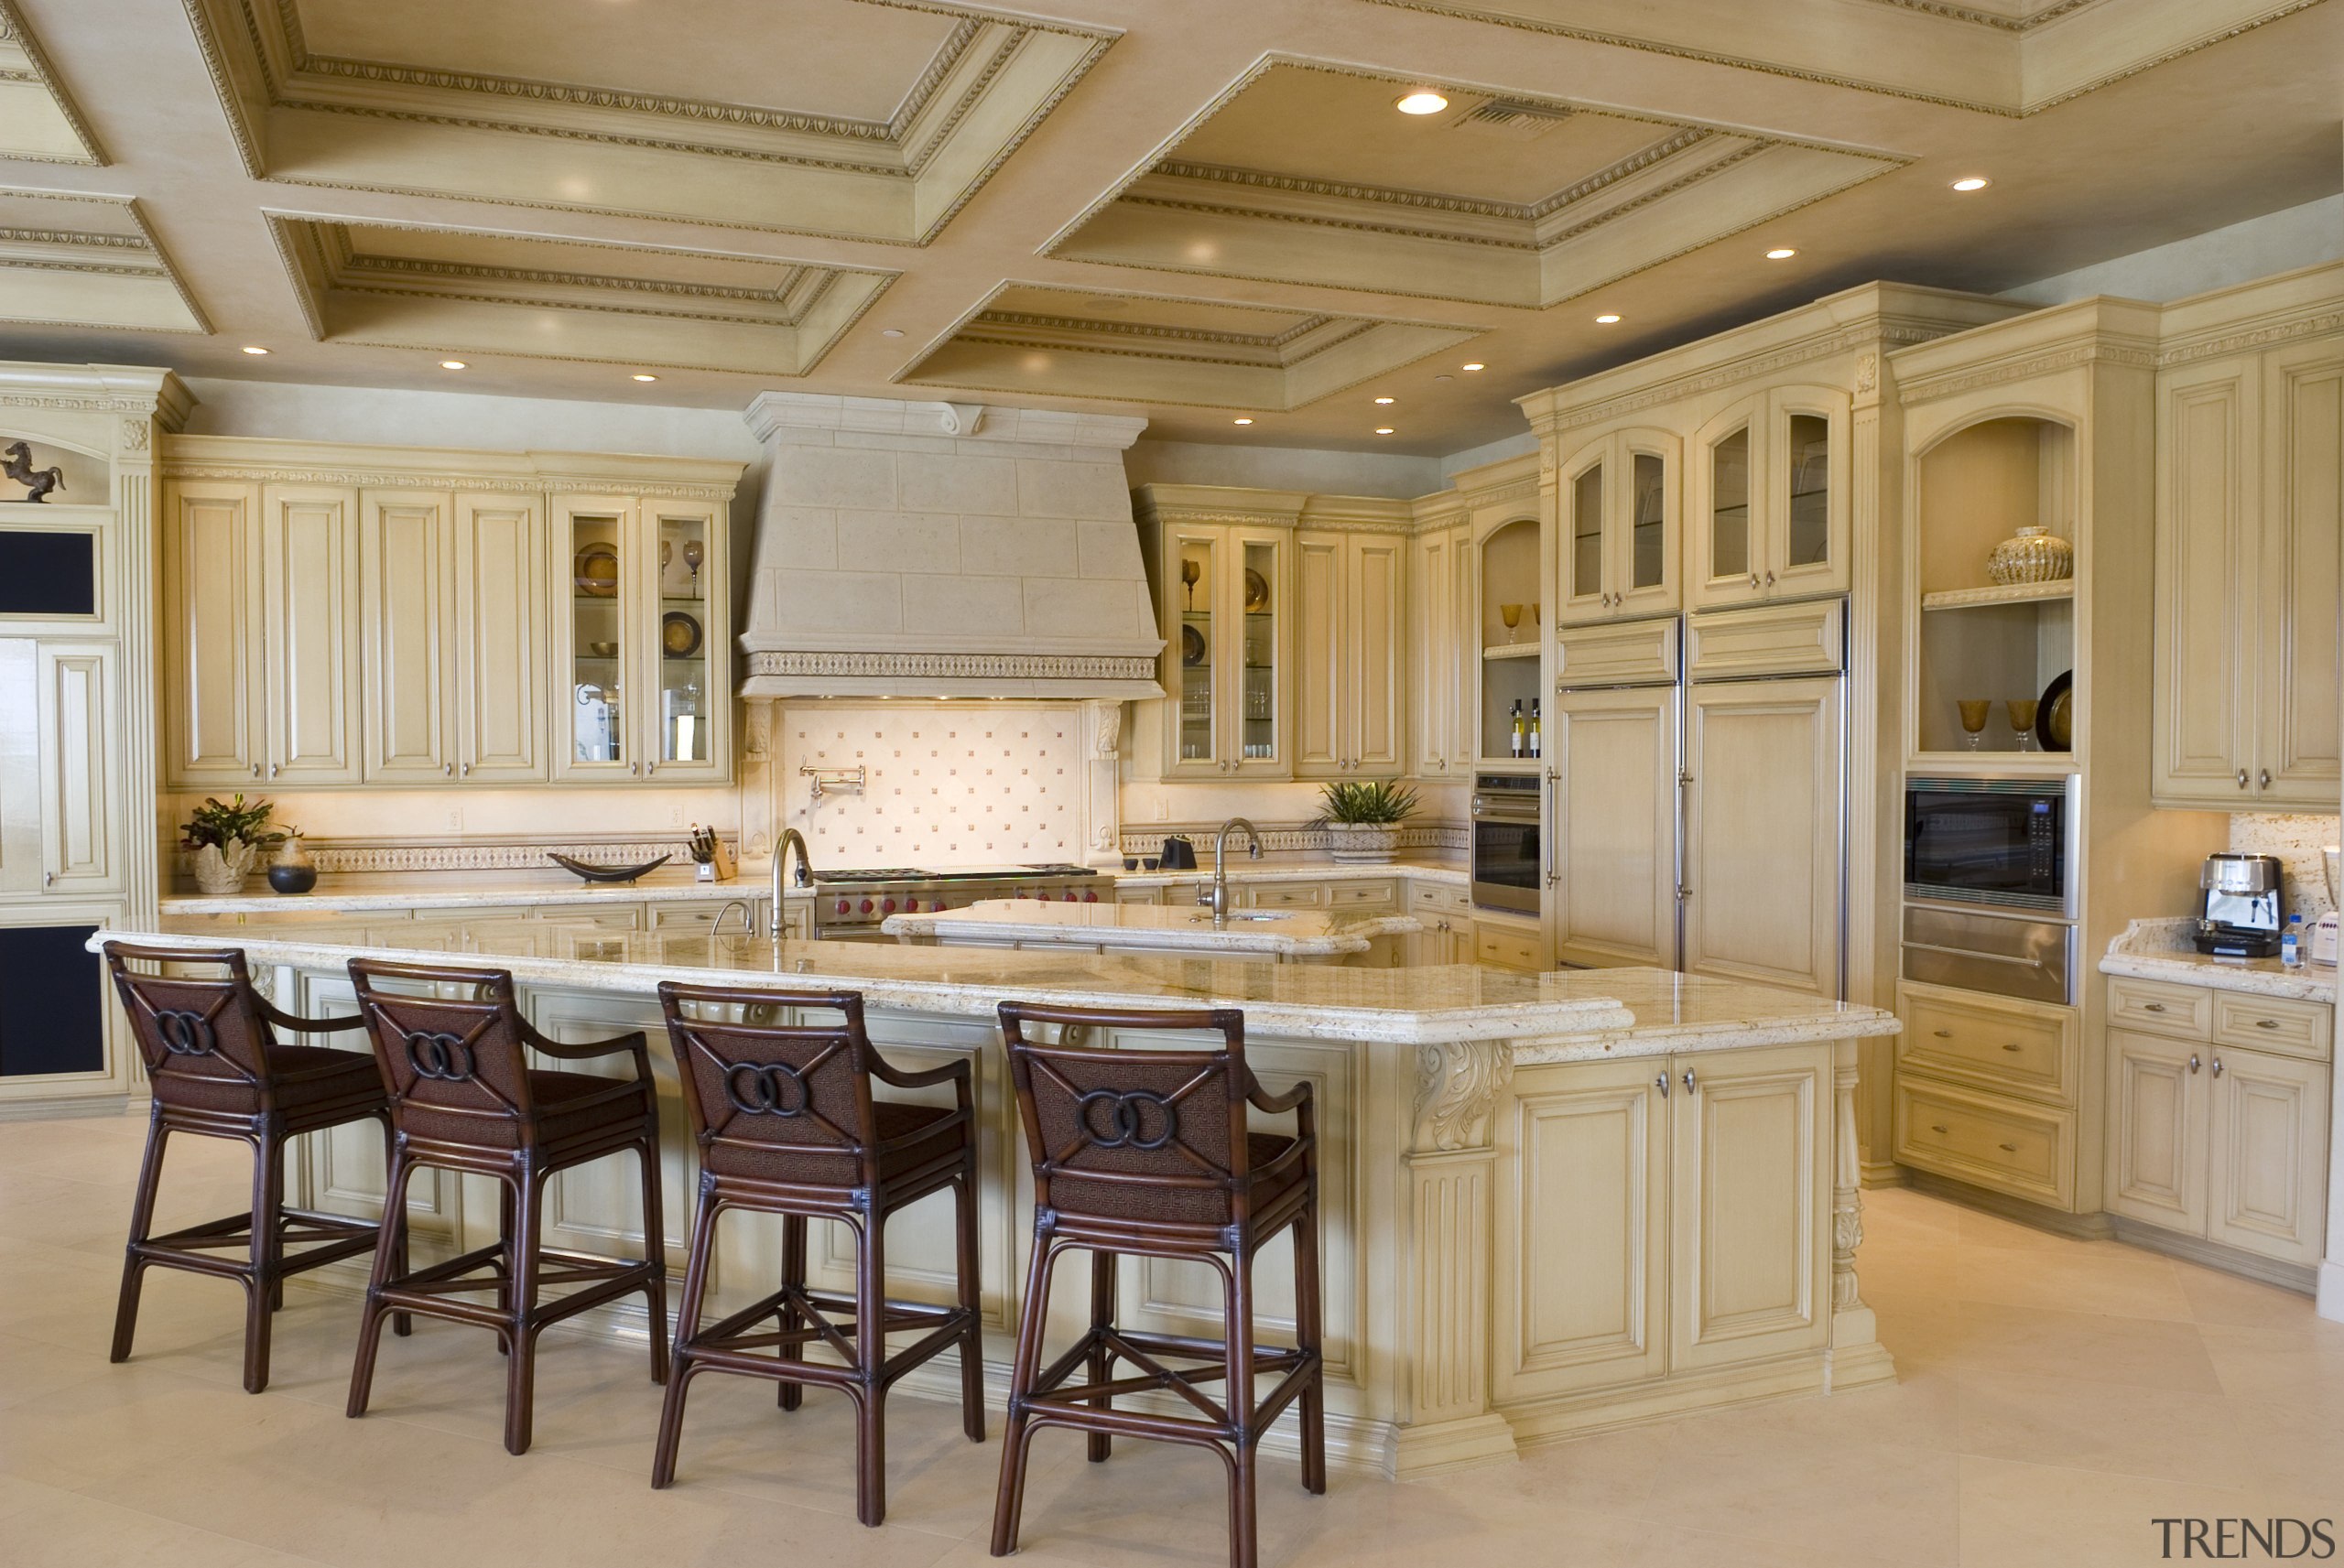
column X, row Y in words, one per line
column 456, row 818
column 1164, row 811
column 675, row 816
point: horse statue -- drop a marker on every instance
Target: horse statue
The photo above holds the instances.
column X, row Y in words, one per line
column 17, row 462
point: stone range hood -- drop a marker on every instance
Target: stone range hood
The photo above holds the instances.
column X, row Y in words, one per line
column 945, row 549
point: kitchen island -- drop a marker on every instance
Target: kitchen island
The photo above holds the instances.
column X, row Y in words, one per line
column 1550, row 1203
column 1278, row 936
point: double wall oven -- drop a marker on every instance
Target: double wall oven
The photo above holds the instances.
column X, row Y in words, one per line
column 1989, row 885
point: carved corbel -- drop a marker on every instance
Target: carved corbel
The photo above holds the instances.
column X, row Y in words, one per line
column 1458, row 1083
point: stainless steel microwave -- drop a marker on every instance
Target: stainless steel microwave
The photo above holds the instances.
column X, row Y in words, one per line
column 1992, row 843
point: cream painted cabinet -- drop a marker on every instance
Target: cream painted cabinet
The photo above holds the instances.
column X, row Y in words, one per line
column 1763, row 832
column 1612, row 754
column 2249, row 512
column 61, row 785
column 2266, row 1154
column 261, row 603
column 452, row 594
column 2156, row 1099
column 1443, row 654
column 1224, row 592
column 1682, row 1210
column 1620, row 532
column 1768, row 506
column 1351, row 608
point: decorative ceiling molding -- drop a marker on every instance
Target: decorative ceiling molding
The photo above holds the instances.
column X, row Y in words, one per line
column 38, row 120
column 2013, row 64
column 1296, row 359
column 88, row 261
column 357, row 285
column 395, row 128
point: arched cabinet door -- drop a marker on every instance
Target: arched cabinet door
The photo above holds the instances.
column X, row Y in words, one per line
column 1647, row 531
column 1807, row 531
column 1726, row 484
column 1583, row 484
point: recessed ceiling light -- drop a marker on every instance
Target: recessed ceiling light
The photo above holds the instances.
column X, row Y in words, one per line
column 1241, row 421
column 1607, row 320
column 1384, row 430
column 451, row 365
column 1424, row 102
column 1475, row 365
column 254, row 349
column 1383, row 400
column 1444, row 376
column 891, row 331
column 644, row 375
column 1780, row 253
column 1973, row 183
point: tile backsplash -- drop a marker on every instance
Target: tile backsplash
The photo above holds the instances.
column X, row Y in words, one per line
column 2296, row 840
column 957, row 785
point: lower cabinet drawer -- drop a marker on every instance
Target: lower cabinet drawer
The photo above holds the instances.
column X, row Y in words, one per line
column 2278, row 1024
column 2025, row 1150
column 1378, row 894
column 1507, row 949
column 1285, row 895
column 2006, row 1047
column 2160, row 1007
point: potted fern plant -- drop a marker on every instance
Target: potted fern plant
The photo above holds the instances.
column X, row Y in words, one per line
column 1362, row 820
column 223, row 840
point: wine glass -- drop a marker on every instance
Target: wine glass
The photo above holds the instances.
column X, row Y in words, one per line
column 1534, row 613
column 666, row 549
column 1512, row 615
column 1974, row 710
column 1191, row 570
column 694, row 553
column 2022, row 717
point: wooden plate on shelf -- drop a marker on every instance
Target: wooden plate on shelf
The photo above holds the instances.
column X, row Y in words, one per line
column 2055, row 716
column 1192, row 645
column 680, row 634
column 1257, row 592
column 597, row 569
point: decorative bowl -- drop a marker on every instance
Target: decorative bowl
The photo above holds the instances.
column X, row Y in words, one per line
column 2034, row 554
column 593, row 873
column 597, row 571
column 603, row 650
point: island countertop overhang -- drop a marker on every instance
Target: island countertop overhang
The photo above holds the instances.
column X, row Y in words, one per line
column 1586, row 1014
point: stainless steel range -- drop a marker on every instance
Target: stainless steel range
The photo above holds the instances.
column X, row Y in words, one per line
column 851, row 903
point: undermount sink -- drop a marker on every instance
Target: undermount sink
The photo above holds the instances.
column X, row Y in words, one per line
column 1206, row 916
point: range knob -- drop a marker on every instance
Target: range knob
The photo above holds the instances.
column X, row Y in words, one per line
column 1089, row 896
column 842, row 906
column 887, row 906
column 867, row 906
column 1069, row 895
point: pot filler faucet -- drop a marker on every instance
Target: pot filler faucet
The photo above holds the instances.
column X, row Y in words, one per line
column 1216, row 898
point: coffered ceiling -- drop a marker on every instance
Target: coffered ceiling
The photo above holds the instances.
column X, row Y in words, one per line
column 1205, row 212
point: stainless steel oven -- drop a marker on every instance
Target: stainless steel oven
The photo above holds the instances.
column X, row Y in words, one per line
column 1999, row 844
column 2002, row 955
column 1506, row 865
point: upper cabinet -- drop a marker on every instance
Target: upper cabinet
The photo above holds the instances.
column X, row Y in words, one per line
column 1621, row 534
column 426, row 623
column 1768, row 514
column 1351, row 616
column 1444, row 649
column 2250, row 472
column 1222, row 592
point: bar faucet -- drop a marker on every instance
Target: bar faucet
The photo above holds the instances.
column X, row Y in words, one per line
column 1216, row 897
column 803, row 879
column 748, row 918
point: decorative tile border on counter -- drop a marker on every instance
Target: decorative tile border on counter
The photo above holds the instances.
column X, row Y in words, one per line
column 341, row 855
column 1297, row 837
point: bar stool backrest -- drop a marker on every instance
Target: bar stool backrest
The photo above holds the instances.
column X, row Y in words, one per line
column 786, row 1102
column 1134, row 1136
column 455, row 1068
column 203, row 1037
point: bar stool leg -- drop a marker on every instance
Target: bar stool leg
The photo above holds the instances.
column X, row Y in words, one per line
column 1244, row 1549
column 1009, row 1501
column 520, row 1370
column 688, row 1314
column 793, row 1280
column 268, row 1249
column 1102, row 1360
column 973, row 1373
column 142, row 1224
column 655, row 1249
column 871, row 1358
column 1306, row 1336
column 394, row 1220
column 390, row 1263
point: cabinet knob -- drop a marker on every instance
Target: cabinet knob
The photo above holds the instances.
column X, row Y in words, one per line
column 446, row 770
column 1940, row 1127
column 2193, row 1060
column 2153, row 1007
column 1754, row 579
column 256, row 770
column 48, row 879
column 2013, row 1045
column 2262, row 780
column 2267, row 1024
column 1945, row 1034
column 2007, row 1147
column 2217, row 1066
column 1689, row 1080
column 272, row 770
column 2242, row 778
column 468, row 770
column 1770, row 579
column 1661, row 1083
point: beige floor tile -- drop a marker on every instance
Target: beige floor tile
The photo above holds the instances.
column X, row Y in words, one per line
column 1610, row 1472
column 2093, row 1346
column 2092, row 1277
column 1796, row 1490
column 2301, row 1366
column 2085, row 1425
column 2234, row 1303
column 2040, row 1516
column 48, row 1526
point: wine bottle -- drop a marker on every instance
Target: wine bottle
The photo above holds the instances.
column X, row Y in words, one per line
column 1537, row 742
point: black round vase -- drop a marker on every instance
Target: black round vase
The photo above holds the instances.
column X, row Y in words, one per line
column 292, row 879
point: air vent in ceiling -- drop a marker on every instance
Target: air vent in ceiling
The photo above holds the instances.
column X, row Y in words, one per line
column 1513, row 118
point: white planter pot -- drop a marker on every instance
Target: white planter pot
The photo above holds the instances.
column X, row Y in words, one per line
column 219, row 873
column 1362, row 843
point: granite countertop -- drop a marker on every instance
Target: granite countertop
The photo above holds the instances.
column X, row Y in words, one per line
column 1565, row 1016
column 1241, row 870
column 2161, row 950
column 1303, row 933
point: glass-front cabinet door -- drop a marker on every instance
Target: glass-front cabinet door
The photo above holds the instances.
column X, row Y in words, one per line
column 1729, row 453
column 686, row 706
column 599, row 581
column 1586, row 588
column 1807, row 539
column 1644, row 533
column 1228, row 639
column 1193, row 586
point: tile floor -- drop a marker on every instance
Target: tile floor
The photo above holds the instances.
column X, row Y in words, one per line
column 2055, row 1397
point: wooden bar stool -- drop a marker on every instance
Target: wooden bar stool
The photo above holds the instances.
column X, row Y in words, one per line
column 787, row 1125
column 463, row 1098
column 217, row 1071
column 1148, row 1153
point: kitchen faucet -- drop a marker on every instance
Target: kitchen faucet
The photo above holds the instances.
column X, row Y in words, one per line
column 748, row 918
column 805, row 878
column 1217, row 898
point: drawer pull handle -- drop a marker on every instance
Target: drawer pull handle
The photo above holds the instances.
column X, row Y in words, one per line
column 2007, row 1147
column 2153, row 1007
column 1940, row 1127
column 2013, row 1045
column 1945, row 1034
column 2267, row 1024
column 2217, row 1066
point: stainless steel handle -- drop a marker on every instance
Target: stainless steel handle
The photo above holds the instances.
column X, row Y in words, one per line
column 446, row 770
column 2153, row 1007
column 1689, row 1084
column 1554, row 872
column 272, row 770
column 468, row 770
column 1967, row 953
column 634, row 767
column 2242, row 778
column 2267, row 1024
column 2217, row 1066
column 2262, row 780
column 1661, row 1083
column 256, row 770
column 2194, row 1063
column 48, row 879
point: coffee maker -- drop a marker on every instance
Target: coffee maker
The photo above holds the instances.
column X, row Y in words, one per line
column 2244, row 910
